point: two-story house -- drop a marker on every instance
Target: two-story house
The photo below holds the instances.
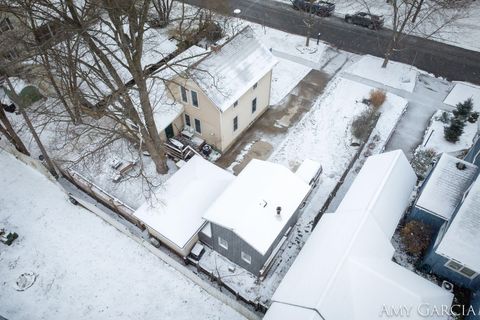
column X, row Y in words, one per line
column 225, row 90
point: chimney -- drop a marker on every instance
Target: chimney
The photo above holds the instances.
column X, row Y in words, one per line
column 461, row 166
column 279, row 210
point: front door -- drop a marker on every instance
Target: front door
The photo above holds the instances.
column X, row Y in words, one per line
column 169, row 131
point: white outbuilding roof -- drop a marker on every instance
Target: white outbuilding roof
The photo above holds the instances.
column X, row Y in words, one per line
column 248, row 206
column 229, row 71
column 462, row 239
column 445, row 187
column 308, row 170
column 463, row 91
column 176, row 210
column 345, row 270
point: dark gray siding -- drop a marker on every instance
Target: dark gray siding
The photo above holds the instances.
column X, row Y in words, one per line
column 236, row 245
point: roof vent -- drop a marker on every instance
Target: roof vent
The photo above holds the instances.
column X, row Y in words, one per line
column 279, row 210
column 461, row 166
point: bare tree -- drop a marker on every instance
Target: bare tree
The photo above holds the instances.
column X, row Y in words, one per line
column 422, row 17
column 163, row 8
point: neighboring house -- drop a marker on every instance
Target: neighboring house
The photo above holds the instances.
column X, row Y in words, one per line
column 226, row 89
column 450, row 203
column 454, row 252
column 443, row 190
column 345, row 270
column 174, row 214
column 252, row 218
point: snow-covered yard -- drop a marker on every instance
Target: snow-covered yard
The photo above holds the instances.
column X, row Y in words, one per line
column 396, row 75
column 434, row 136
column 84, row 268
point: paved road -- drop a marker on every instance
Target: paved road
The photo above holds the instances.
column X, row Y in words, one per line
column 451, row 62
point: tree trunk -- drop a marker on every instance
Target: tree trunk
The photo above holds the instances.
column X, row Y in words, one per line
column 417, row 11
column 17, row 100
column 8, row 131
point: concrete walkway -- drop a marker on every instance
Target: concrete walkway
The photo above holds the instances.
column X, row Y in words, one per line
column 423, row 102
column 269, row 130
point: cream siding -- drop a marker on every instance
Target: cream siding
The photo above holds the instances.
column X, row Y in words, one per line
column 217, row 127
column 244, row 111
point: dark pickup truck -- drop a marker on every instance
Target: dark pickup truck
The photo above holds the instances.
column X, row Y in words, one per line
column 320, row 8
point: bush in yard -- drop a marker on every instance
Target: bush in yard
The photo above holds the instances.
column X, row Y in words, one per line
column 377, row 98
column 453, row 132
column 416, row 237
column 463, row 109
column 421, row 161
column 363, row 124
column 473, row 117
column 30, row 95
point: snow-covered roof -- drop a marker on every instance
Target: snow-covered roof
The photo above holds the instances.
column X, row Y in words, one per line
column 307, row 170
column 444, row 188
column 248, row 206
column 177, row 207
column 462, row 239
column 461, row 92
column 345, row 270
column 229, row 71
column 165, row 109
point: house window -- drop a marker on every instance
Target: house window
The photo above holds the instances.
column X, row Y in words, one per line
column 194, row 99
column 188, row 122
column 5, row 25
column 254, row 105
column 223, row 243
column 466, row 272
column 235, row 104
column 255, row 85
column 198, row 126
column 184, row 94
column 235, row 123
column 247, row 258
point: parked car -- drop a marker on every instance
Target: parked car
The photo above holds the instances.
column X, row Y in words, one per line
column 320, row 8
column 364, row 19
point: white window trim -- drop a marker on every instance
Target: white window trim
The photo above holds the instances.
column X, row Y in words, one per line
column 235, row 129
column 191, row 96
column 181, row 94
column 223, row 243
column 246, row 257
column 459, row 271
column 195, row 125
column 185, row 115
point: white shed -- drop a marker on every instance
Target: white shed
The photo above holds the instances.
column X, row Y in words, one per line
column 174, row 214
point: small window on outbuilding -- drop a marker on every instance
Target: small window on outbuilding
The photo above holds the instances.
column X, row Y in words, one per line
column 246, row 257
column 223, row 243
column 255, row 85
column 235, row 104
